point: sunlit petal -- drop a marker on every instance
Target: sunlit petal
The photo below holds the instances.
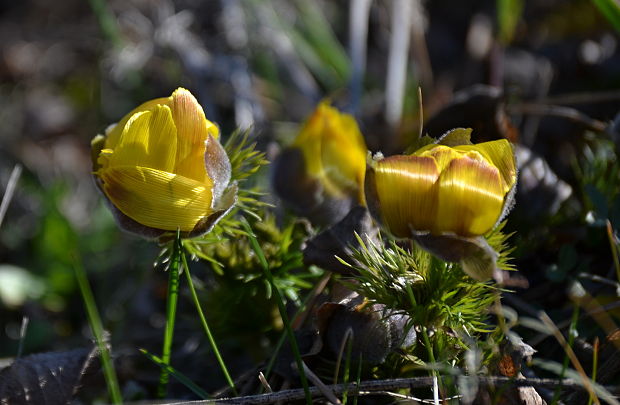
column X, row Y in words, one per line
column 156, row 198
column 310, row 138
column 193, row 130
column 406, row 188
column 113, row 135
column 500, row 154
column 343, row 154
column 470, row 196
column 148, row 140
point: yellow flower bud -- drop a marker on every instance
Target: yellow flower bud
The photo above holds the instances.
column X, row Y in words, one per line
column 162, row 168
column 445, row 196
column 322, row 174
column 334, row 151
column 440, row 189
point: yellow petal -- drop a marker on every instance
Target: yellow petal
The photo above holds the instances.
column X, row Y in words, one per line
column 406, row 189
column 343, row 154
column 470, row 196
column 113, row 135
column 193, row 130
column 334, row 151
column 443, row 155
column 156, row 198
column 310, row 138
column 149, row 140
column 500, row 153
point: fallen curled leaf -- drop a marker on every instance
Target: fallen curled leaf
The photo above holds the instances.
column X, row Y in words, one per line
column 46, row 378
column 376, row 331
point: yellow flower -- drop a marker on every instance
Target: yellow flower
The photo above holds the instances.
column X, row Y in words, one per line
column 334, row 151
column 321, row 175
column 162, row 168
column 445, row 189
column 445, row 196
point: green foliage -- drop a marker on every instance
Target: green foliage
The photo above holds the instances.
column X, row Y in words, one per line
column 245, row 161
column 599, row 179
column 435, row 294
column 611, row 10
column 234, row 261
column 508, row 15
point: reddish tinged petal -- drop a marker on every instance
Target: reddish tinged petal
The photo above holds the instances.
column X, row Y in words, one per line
column 470, row 197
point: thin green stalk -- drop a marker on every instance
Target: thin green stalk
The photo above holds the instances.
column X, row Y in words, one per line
column 431, row 355
column 171, row 311
column 276, row 292
column 594, row 366
column 205, row 325
column 272, row 360
column 425, row 338
column 571, row 340
column 614, row 249
column 176, row 374
column 96, row 327
column 347, row 366
column 282, row 337
column 358, row 379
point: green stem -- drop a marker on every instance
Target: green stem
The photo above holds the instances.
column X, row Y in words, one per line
column 571, row 340
column 594, row 367
column 171, row 310
column 431, row 355
column 205, row 325
column 276, row 292
column 96, row 326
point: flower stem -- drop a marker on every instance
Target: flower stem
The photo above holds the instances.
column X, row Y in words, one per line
column 431, row 356
column 276, row 292
column 171, row 310
column 205, row 325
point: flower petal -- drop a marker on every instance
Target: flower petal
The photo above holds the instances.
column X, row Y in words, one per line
column 343, row 153
column 113, row 134
column 149, row 139
column 193, row 129
column 407, row 194
column 156, row 198
column 309, row 139
column 443, row 155
column 500, row 153
column 470, row 196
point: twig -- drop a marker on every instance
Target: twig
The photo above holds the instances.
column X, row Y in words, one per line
column 10, row 190
column 375, row 386
column 559, row 111
column 583, row 98
column 320, row 385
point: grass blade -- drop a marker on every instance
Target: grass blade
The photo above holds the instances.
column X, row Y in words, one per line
column 276, row 292
column 176, row 374
column 205, row 325
column 96, row 327
column 611, row 10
